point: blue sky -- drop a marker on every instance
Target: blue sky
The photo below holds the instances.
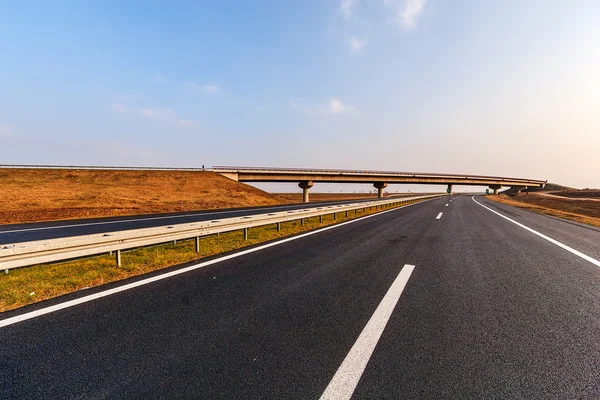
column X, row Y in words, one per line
column 488, row 87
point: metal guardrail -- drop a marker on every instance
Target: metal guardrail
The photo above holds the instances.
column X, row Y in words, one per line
column 38, row 252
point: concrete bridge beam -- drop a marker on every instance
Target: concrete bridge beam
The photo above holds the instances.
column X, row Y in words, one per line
column 380, row 186
column 495, row 188
column 305, row 185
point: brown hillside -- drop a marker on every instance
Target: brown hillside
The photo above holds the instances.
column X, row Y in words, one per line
column 584, row 193
column 30, row 195
column 582, row 210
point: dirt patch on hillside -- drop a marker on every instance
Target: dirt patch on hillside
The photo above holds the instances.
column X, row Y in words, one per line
column 586, row 211
column 32, row 195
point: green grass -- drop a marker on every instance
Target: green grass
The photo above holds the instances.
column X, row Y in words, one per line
column 41, row 282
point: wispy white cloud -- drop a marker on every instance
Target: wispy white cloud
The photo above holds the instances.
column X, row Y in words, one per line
column 334, row 106
column 346, row 8
column 6, row 132
column 212, row 88
column 262, row 108
column 126, row 105
column 407, row 12
column 207, row 88
column 187, row 122
column 165, row 115
column 356, row 44
column 118, row 107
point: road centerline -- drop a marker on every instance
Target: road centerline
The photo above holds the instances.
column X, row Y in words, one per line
column 548, row 238
column 439, row 216
column 346, row 378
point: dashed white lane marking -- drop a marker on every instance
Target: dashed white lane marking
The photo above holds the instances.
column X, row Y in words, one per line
column 548, row 238
column 439, row 215
column 446, row 204
column 104, row 293
column 348, row 374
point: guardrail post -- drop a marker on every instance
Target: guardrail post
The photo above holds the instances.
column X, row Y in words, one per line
column 334, row 216
column 321, row 218
column 197, row 244
column 118, row 258
column 278, row 226
column 301, row 221
column 245, row 233
column 346, row 214
column 6, row 271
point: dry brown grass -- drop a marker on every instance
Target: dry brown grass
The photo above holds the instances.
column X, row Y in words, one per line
column 585, row 211
column 31, row 195
column 41, row 282
column 585, row 193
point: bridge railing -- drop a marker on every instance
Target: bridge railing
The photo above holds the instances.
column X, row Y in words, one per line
column 367, row 172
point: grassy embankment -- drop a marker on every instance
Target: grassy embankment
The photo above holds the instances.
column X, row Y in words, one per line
column 569, row 206
column 32, row 284
column 33, row 195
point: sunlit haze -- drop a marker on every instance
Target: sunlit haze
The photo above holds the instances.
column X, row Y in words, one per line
column 481, row 87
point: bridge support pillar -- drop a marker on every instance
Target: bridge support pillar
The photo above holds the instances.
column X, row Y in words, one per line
column 495, row 188
column 449, row 189
column 305, row 185
column 380, row 186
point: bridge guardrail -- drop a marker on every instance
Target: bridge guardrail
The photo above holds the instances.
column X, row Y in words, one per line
column 24, row 254
column 367, row 172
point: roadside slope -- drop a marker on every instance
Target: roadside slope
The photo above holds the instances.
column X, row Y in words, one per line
column 32, row 195
column 577, row 209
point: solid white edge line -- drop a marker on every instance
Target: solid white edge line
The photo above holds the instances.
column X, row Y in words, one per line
column 553, row 241
column 439, row 215
column 346, row 378
column 85, row 299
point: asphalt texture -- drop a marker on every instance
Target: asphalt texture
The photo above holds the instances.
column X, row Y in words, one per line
column 490, row 311
column 15, row 233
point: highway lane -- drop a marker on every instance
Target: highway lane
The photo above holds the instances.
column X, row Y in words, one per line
column 15, row 233
column 489, row 311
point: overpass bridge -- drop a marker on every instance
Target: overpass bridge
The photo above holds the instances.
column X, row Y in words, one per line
column 380, row 179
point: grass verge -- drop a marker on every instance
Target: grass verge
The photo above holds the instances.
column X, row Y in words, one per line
column 546, row 210
column 45, row 281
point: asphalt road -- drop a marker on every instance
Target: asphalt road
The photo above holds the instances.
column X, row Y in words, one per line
column 489, row 310
column 15, row 233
